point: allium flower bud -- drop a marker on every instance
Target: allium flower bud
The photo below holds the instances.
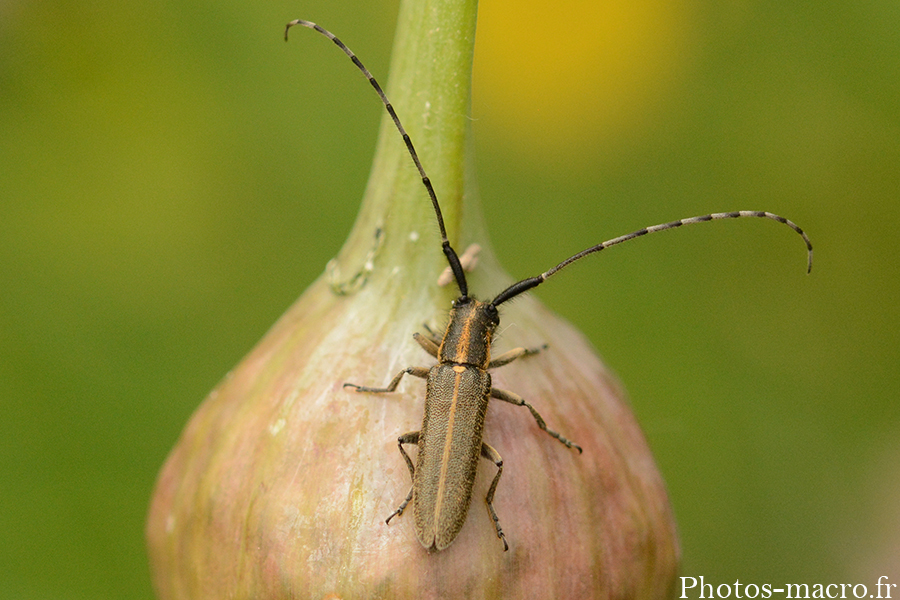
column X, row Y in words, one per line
column 281, row 482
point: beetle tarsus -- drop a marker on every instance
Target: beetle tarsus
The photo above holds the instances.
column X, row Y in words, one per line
column 399, row 510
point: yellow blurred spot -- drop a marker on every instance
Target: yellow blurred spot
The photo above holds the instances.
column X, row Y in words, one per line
column 576, row 73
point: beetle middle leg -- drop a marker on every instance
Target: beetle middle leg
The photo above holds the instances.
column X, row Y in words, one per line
column 414, row 371
column 407, row 438
column 492, row 455
column 516, row 399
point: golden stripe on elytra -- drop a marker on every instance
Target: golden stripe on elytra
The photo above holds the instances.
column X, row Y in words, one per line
column 448, row 442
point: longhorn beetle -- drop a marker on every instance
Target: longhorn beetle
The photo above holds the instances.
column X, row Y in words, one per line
column 458, row 387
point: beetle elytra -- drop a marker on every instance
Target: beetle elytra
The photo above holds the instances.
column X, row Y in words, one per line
column 458, row 388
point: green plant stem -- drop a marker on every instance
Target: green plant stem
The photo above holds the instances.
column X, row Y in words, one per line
column 430, row 89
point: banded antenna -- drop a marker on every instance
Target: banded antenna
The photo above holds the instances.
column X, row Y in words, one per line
column 531, row 282
column 449, row 252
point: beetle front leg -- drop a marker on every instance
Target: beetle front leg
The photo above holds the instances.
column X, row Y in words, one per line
column 407, row 438
column 492, row 455
column 516, row 399
column 414, row 371
column 428, row 343
column 434, row 335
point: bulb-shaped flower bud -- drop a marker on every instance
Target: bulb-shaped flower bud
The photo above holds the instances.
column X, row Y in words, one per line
column 281, row 482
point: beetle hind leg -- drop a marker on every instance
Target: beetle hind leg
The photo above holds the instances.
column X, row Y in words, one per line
column 400, row 508
column 407, row 438
column 492, row 455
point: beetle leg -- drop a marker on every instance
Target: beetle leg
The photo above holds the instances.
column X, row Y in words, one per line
column 407, row 438
column 511, row 355
column 516, row 399
column 492, row 455
column 433, row 335
column 414, row 371
column 428, row 343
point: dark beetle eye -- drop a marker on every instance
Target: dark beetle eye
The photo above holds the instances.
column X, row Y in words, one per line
column 491, row 312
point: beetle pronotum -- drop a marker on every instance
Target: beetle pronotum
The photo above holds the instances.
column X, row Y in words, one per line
column 458, row 387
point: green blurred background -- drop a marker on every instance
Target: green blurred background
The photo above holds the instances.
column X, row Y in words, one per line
column 173, row 175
